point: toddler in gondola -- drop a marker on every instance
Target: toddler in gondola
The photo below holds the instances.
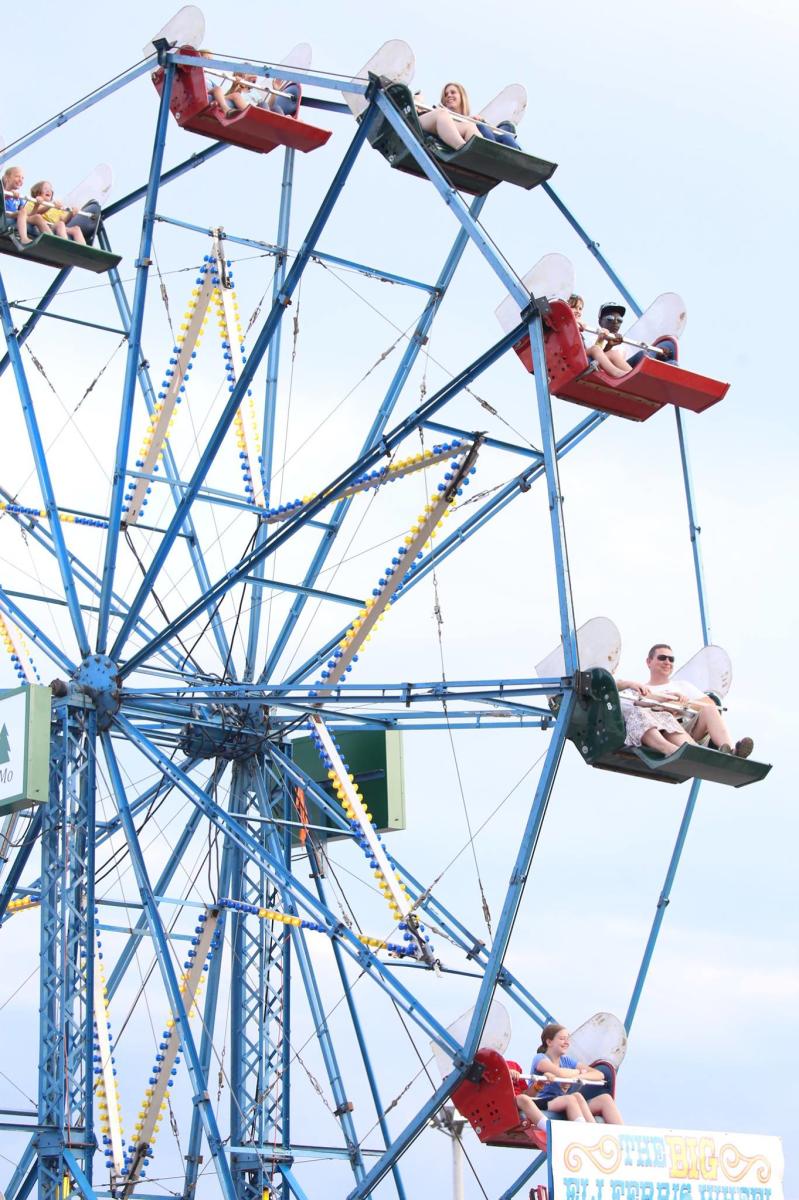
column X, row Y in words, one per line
column 53, row 212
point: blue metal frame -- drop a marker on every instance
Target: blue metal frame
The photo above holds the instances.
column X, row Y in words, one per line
column 143, row 263
column 240, row 390
column 270, row 402
column 65, row 1103
column 375, row 434
column 257, row 865
column 43, row 473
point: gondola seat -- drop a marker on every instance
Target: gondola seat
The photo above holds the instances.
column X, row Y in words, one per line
column 597, row 730
column 489, row 1105
column 53, row 251
column 650, row 385
column 251, row 128
column 475, row 168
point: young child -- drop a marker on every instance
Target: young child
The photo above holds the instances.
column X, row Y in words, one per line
column 527, row 1108
column 53, row 211
column 15, row 205
column 607, row 356
column 236, row 95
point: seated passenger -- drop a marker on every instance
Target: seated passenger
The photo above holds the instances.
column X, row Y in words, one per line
column 454, row 97
column 86, row 220
column 609, row 319
column 453, row 131
column 15, row 205
column 54, row 213
column 565, row 1077
column 660, row 730
column 527, row 1108
column 281, row 97
column 594, row 345
column 237, row 94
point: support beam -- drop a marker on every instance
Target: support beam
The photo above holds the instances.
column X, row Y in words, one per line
column 415, row 344
column 66, row 954
column 143, row 264
column 179, row 1014
column 43, row 474
column 218, row 434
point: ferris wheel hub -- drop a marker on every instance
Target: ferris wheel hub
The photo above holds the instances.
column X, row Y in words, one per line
column 98, row 677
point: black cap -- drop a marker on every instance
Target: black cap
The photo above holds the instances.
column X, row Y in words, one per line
column 611, row 307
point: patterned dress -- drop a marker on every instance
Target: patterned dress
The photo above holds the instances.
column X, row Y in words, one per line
column 639, row 720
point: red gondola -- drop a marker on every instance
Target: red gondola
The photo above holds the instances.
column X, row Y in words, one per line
column 251, row 128
column 651, row 384
column 490, row 1107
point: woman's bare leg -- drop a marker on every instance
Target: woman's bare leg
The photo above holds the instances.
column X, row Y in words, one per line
column 572, row 1107
column 616, row 356
column 653, row 739
column 529, row 1109
column 605, row 1107
column 602, row 360
column 711, row 721
column 440, row 122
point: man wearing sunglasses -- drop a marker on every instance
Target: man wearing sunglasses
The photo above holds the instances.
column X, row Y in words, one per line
column 661, row 730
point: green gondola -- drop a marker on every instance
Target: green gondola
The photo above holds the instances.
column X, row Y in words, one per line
column 597, row 730
column 477, row 167
column 53, row 251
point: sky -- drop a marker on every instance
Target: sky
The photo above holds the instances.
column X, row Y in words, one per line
column 674, row 130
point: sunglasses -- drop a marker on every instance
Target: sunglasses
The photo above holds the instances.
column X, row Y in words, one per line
column 665, row 657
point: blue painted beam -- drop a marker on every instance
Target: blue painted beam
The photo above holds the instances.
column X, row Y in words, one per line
column 171, row 473
column 198, row 1079
column 518, row 877
column 73, row 110
column 43, row 474
column 375, row 433
column 662, row 904
column 142, row 264
column 239, row 392
column 36, row 635
column 289, row 527
column 694, row 528
column 283, row 879
column 405, row 1139
column 270, row 405
column 568, row 631
column 452, row 199
column 504, row 496
column 593, row 246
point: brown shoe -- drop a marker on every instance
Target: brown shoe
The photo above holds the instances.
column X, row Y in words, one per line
column 744, row 747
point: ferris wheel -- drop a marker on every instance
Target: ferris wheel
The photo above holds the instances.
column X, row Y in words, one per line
column 223, row 919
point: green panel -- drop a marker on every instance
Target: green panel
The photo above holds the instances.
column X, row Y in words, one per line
column 52, row 251
column 24, row 747
column 597, row 724
column 475, row 168
column 376, row 761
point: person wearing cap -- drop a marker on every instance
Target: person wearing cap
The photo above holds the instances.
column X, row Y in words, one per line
column 610, row 319
column 595, row 348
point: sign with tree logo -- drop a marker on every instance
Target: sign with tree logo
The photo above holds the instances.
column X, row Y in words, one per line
column 24, row 747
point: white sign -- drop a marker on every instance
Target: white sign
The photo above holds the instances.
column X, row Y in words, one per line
column 628, row 1162
column 24, row 747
